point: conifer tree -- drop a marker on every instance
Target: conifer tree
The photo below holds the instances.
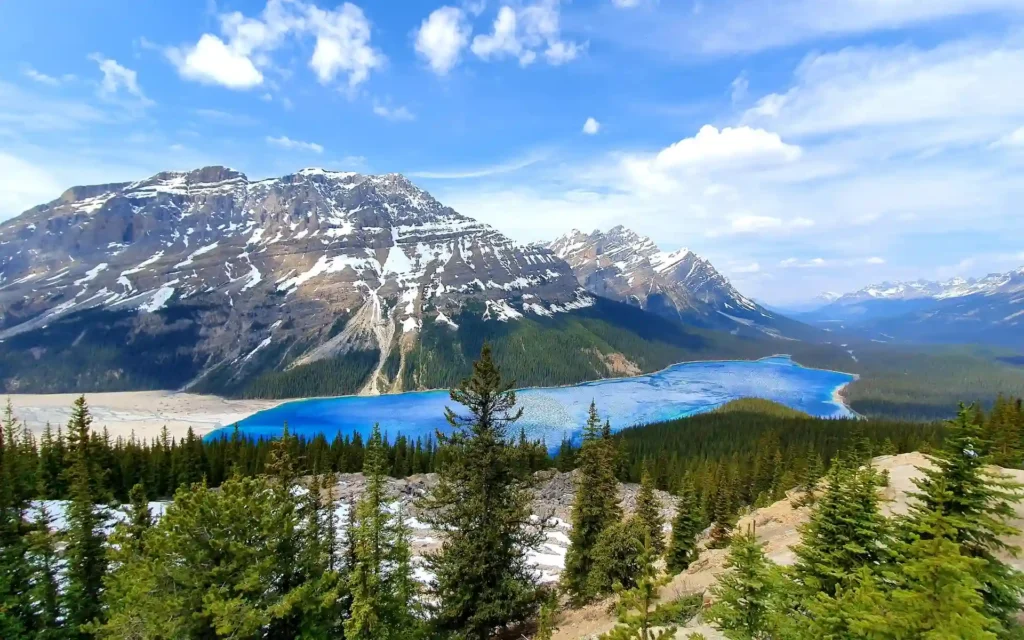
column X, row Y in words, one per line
column 845, row 531
column 482, row 507
column 635, row 605
column 978, row 506
column 84, row 539
column 617, row 557
column 45, row 563
column 18, row 616
column 809, row 479
column 686, row 526
column 594, row 510
column 128, row 572
column 380, row 580
column 648, row 511
column 746, row 596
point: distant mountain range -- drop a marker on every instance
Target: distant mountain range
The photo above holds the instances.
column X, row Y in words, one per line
column 325, row 282
column 988, row 310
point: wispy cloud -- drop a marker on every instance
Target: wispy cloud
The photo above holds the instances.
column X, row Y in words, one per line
column 284, row 142
column 482, row 172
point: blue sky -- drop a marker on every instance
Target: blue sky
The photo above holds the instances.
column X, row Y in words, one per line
column 801, row 145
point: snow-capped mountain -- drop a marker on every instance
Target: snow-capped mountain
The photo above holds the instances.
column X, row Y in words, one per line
column 623, row 265
column 221, row 276
column 984, row 310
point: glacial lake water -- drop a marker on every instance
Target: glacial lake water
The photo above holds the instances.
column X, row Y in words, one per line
column 554, row 413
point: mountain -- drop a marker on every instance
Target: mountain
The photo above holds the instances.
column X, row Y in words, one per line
column 988, row 310
column 625, row 266
column 314, row 283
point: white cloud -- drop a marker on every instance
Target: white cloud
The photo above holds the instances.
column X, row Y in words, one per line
column 441, row 38
column 752, row 223
column 591, row 126
column 1012, row 139
column 40, row 77
column 481, row 172
column 525, row 32
column 394, row 113
column 116, row 78
column 727, row 145
column 237, row 58
column 875, row 260
column 343, row 44
column 211, row 61
column 875, row 87
column 626, row 4
column 739, row 87
column 285, row 142
column 725, row 27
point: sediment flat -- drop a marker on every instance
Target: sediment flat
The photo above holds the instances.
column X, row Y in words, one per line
column 143, row 413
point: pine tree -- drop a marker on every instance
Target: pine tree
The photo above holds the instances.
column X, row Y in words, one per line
column 687, row 525
column 482, row 506
column 593, row 509
column 380, row 580
column 978, row 506
column 84, row 539
column 648, row 511
column 723, row 516
column 635, row 605
column 746, row 596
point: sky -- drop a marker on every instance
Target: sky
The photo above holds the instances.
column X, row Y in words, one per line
column 800, row 145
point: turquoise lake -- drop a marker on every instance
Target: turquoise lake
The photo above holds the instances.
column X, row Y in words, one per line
column 554, row 413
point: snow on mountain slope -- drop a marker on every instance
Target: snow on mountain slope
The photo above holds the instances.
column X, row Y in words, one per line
column 623, row 265
column 298, row 268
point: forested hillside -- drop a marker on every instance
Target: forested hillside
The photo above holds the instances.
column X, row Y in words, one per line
column 264, row 556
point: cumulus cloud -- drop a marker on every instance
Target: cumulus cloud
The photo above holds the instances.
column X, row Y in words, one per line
column 284, row 142
column 118, row 80
column 237, row 58
column 526, row 32
column 591, row 126
column 211, row 61
column 441, row 38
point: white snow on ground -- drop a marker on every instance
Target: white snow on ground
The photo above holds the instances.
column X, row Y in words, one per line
column 265, row 343
column 198, row 252
column 160, row 298
column 501, row 311
column 410, row 324
column 145, row 263
column 324, row 265
column 443, row 319
column 91, row 274
column 254, row 278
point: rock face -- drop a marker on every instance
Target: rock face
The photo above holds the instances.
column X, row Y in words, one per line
column 623, row 265
column 220, row 276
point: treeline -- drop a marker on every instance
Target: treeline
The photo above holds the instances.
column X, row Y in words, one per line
column 164, row 463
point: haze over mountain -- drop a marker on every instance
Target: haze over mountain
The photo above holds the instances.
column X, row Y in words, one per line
column 347, row 282
column 988, row 310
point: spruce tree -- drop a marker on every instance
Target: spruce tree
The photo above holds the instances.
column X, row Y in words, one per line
column 84, row 539
column 648, row 511
column 380, row 580
column 978, row 506
column 635, row 605
column 617, row 557
column 746, row 596
column 45, row 565
column 128, row 571
column 593, row 509
column 481, row 505
column 18, row 614
column 845, row 531
column 686, row 526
